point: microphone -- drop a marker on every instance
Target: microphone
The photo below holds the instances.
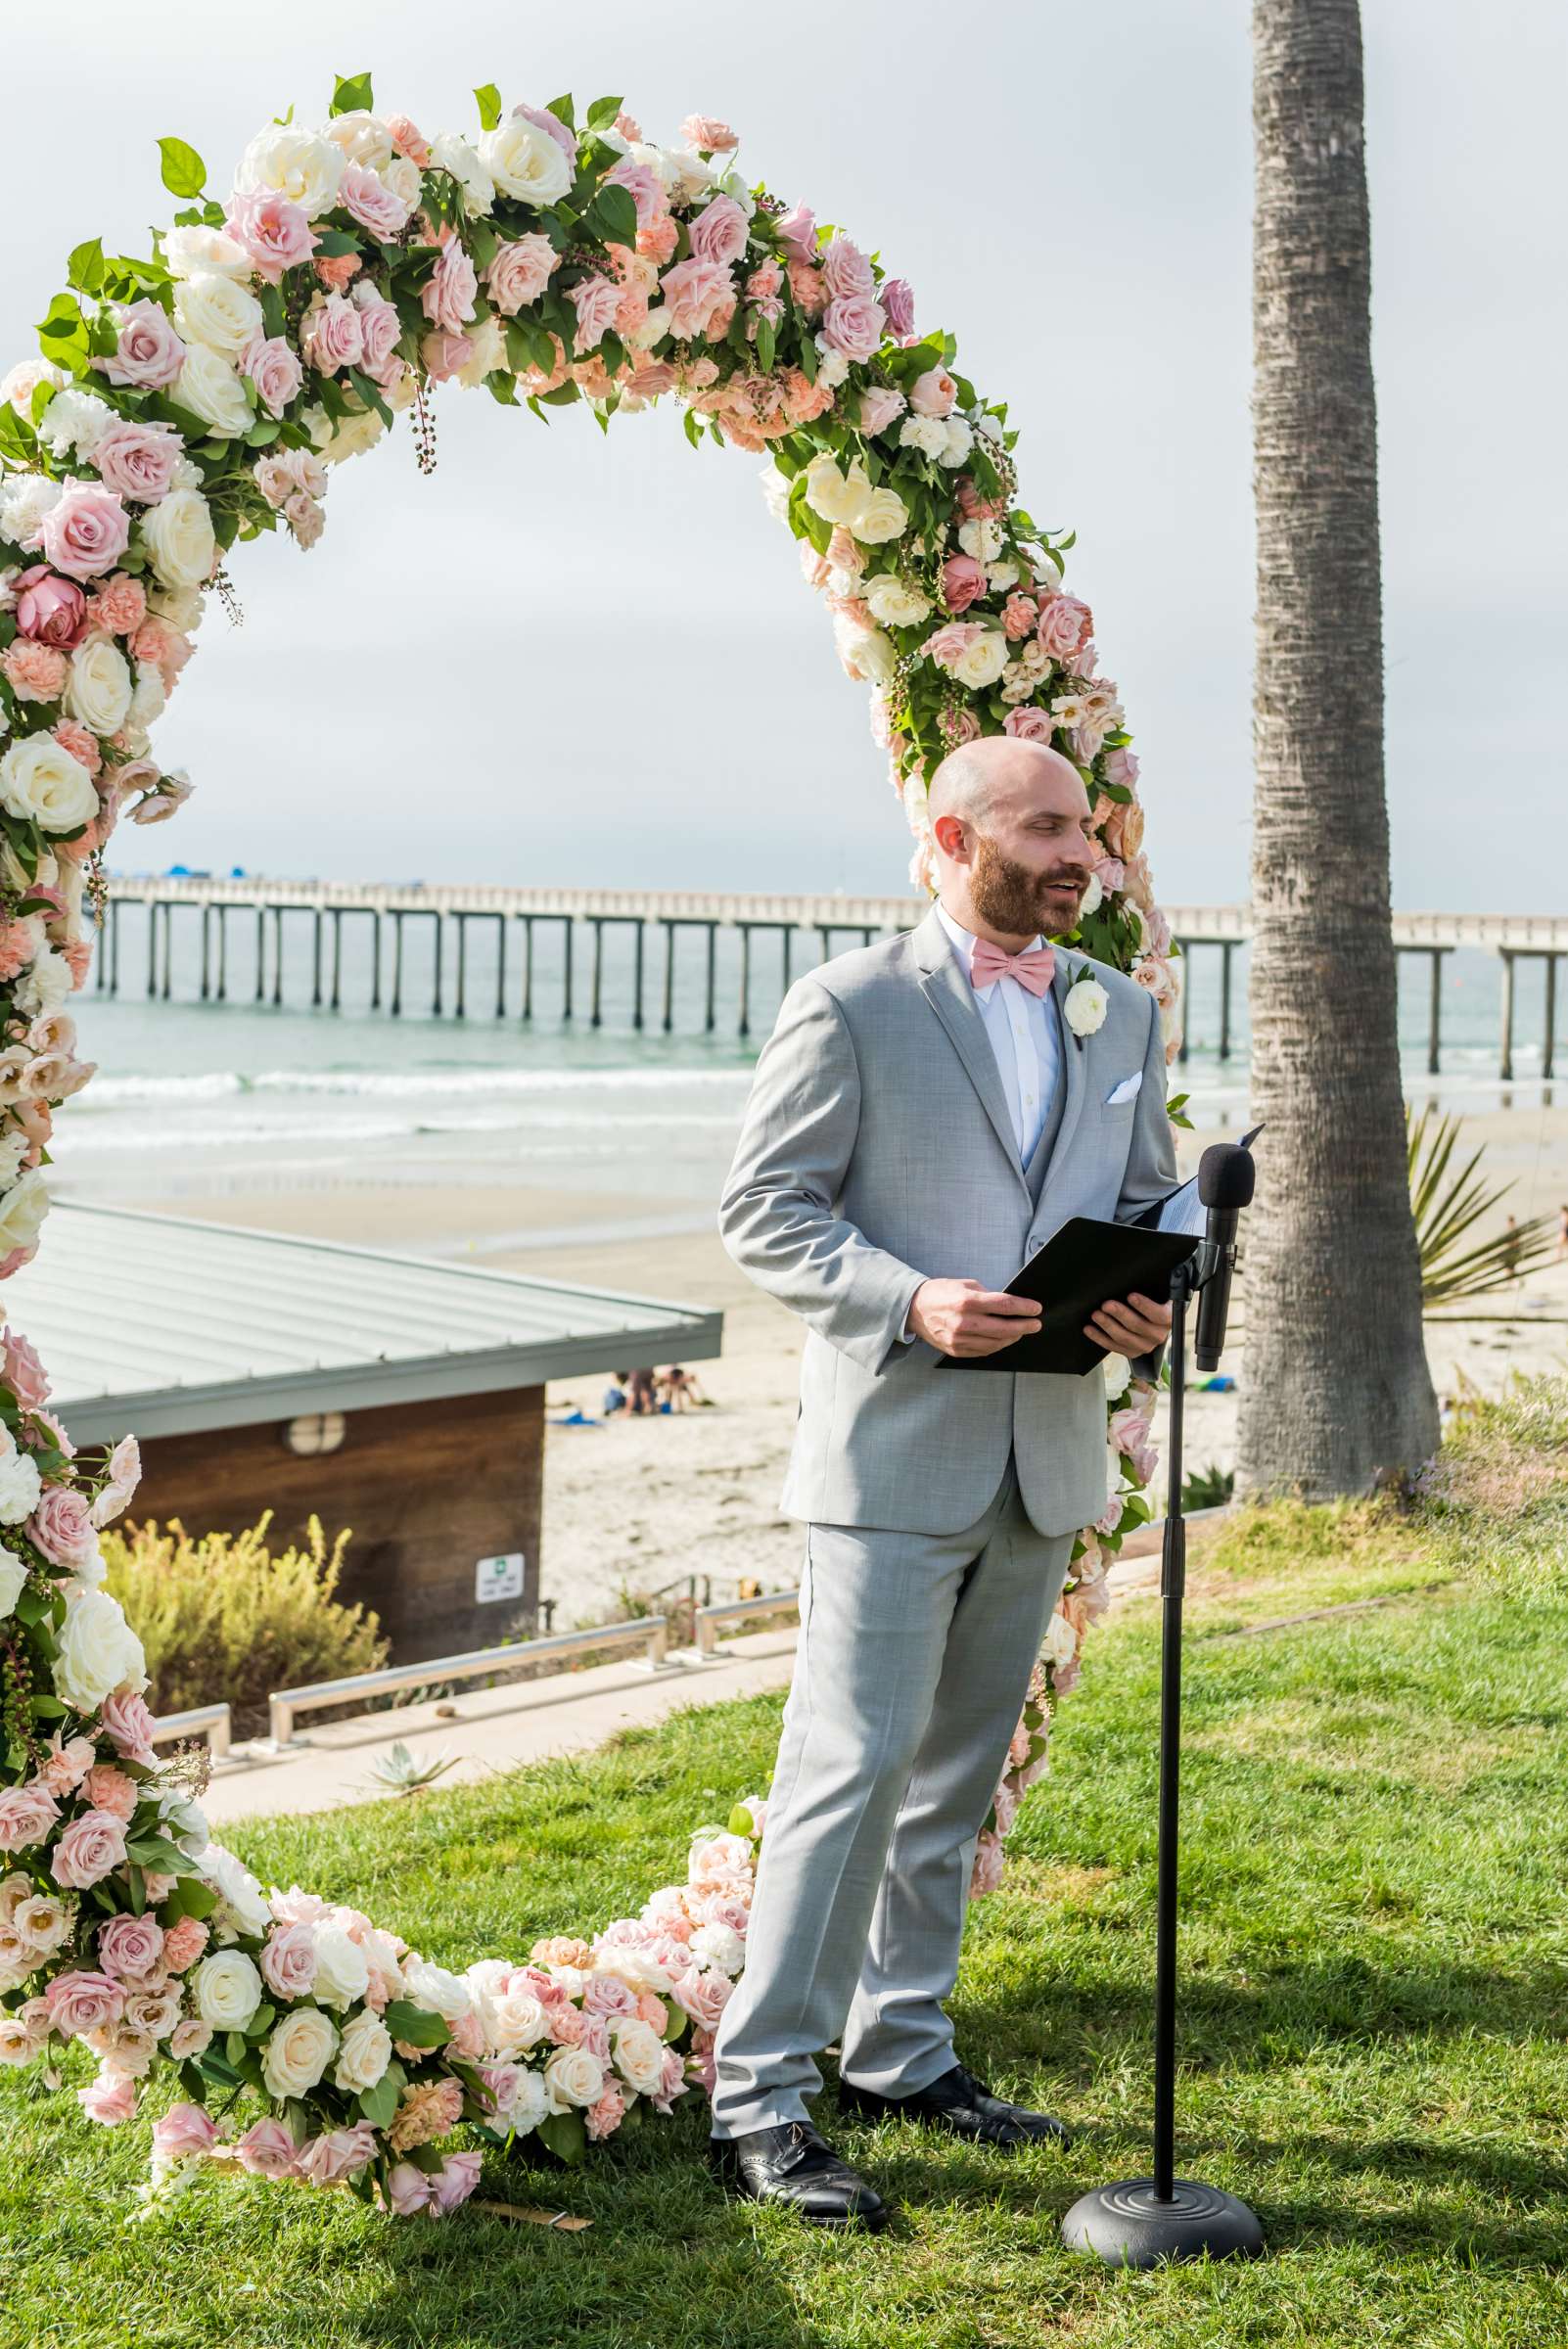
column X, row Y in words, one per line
column 1225, row 1179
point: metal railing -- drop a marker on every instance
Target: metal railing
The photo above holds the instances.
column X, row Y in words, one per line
column 212, row 1722
column 647, row 1632
column 740, row 1610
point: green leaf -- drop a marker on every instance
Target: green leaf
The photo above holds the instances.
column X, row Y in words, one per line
column 371, row 394
column 47, row 1708
column 566, row 2134
column 234, row 2047
column 354, row 95
column 86, row 267
column 766, row 339
column 488, row 99
column 215, row 2067
column 561, row 107
column 809, row 358
column 379, row 2104
column 189, row 1898
column 184, row 173
column 691, row 427
column 741, row 1821
column 603, row 111
column 613, row 215
column 155, row 1852
column 416, row 2026
column 33, row 1606
column 502, row 387
column 260, row 2022
column 337, row 241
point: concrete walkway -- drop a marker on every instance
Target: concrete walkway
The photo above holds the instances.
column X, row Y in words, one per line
column 490, row 1730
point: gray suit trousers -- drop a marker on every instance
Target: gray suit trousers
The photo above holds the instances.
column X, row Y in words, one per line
column 915, row 1651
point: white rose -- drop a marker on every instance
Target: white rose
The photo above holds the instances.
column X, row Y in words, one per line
column 839, row 497
column 237, row 1888
column 24, row 503
column 721, row 1945
column 866, row 652
column 1061, row 1641
column 363, row 138
column 215, row 310
column 363, row 2053
column 228, row 1989
column 98, row 1653
column 883, row 516
column 1085, row 1006
column 831, row 367
column 401, row 177
column 652, row 329
column 663, row 167
column 957, row 442
column 449, row 153
column 489, row 354
column 775, row 490
column 927, row 434
column 892, row 603
column 90, row 1569
column 984, row 661
column 1093, row 896
column 184, row 1821
column 1047, row 568
column 207, row 386
column 43, row 987
column 1002, row 574
column 342, row 1973
column 182, row 607
column 19, row 1487
column 530, row 2105
column 178, row 536
column 433, row 1987
column 634, row 1967
column 42, row 782
column 13, row 1581
column 75, row 420
column 572, row 2076
column 640, row 2054
column 299, row 2051
column 524, row 161
column 691, row 176
column 150, row 699
column 1118, row 1375
column 734, row 186
column 982, row 538
column 206, row 251
column 297, row 163
column 516, row 2022
column 347, row 439
column 98, row 690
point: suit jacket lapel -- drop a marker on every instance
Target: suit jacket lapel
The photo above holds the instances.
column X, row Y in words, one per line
column 952, row 999
column 1075, row 1073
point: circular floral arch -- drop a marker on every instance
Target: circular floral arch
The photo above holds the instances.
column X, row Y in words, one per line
column 190, row 399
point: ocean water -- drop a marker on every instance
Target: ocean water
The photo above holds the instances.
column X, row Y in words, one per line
column 200, row 1099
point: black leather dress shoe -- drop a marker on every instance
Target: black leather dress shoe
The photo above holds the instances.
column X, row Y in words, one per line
column 958, row 2101
column 791, row 2164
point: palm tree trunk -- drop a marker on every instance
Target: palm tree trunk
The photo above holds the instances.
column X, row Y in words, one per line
column 1337, row 1394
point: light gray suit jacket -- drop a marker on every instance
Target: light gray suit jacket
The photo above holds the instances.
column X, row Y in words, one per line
column 876, row 1152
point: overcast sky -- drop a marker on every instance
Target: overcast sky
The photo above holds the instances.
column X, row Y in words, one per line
column 571, row 658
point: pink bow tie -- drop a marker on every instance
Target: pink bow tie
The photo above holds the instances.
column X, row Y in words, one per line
column 1032, row 969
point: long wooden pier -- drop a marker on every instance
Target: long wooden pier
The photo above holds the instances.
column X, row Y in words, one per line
column 514, row 914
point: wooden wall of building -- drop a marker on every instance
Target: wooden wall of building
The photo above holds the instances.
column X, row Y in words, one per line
column 429, row 1489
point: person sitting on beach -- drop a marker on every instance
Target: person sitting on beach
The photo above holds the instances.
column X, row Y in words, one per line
column 678, row 1386
column 615, row 1395
column 644, row 1398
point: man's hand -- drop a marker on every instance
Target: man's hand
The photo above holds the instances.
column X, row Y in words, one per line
column 961, row 1317
column 1134, row 1328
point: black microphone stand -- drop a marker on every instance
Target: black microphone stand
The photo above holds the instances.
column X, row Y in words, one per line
column 1141, row 2221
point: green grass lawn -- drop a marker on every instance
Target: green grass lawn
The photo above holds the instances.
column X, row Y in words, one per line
column 1374, row 1964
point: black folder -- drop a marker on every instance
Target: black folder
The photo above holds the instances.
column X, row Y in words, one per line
column 1079, row 1268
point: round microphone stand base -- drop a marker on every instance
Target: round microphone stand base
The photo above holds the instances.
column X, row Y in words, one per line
column 1129, row 2226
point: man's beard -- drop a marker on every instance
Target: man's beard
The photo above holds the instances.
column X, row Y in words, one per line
column 1009, row 896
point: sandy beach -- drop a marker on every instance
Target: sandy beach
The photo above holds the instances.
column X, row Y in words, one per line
column 641, row 1504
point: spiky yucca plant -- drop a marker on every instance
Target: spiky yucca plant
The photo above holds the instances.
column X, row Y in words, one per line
column 1447, row 1203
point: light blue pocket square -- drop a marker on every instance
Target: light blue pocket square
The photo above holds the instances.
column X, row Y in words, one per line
column 1125, row 1091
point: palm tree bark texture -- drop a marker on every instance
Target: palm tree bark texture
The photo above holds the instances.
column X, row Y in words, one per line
column 1337, row 1396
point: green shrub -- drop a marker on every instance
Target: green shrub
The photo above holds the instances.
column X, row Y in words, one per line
column 225, row 1616
column 1494, row 1503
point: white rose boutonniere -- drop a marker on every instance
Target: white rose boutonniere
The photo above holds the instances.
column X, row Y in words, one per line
column 1085, row 1005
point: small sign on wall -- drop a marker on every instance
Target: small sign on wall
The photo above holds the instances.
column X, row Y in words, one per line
column 498, row 1578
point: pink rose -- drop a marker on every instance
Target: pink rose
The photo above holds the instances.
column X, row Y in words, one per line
column 947, row 646
column 109, row 2099
column 446, row 355
column 595, row 301
column 107, row 1788
column 336, row 2155
column 287, row 1961
column 275, row 232
column 606, row 1994
column 183, row 2129
column 703, row 1996
column 137, row 460
column 727, row 1909
column 86, row 530
column 708, row 135
column 454, row 2183
column 127, row 1721
column 796, row 231
column 854, row 324
column 468, row 2038
column 331, row 335
column 407, row 2190
column 962, row 581
column 26, row 1815
column 520, row 272
column 1064, row 624
column 408, row 139
column 305, row 518
column 273, row 366
column 124, row 1474
column 189, row 2037
column 266, row 2150
column 366, row 198
column 34, row 672
column 673, row 2082
column 958, row 726
column 847, row 270
column 447, row 299
column 696, row 291
column 553, row 127
column 22, row 1371
column 83, row 2002
column 150, row 353
column 604, row 2118
column 899, row 303
column 934, row 392
column 880, row 407
column 91, row 1848
column 183, row 1942
column 62, row 1526
column 382, row 327
column 1025, row 724
column 645, row 188
column 719, row 232
column 51, row 608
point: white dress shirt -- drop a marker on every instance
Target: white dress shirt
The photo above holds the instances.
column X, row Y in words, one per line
column 1022, row 1032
